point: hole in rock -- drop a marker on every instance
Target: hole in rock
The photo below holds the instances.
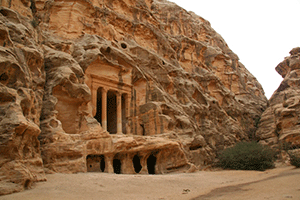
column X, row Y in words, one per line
column 27, row 184
column 3, row 77
column 137, row 164
column 117, row 166
column 151, row 162
column 123, row 45
column 102, row 163
column 95, row 163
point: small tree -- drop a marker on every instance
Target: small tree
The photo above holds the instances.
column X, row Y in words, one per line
column 247, row 156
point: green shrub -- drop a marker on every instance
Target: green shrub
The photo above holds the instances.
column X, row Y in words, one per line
column 247, row 156
column 294, row 159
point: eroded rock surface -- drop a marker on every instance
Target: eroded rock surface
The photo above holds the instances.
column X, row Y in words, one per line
column 22, row 79
column 280, row 122
column 137, row 86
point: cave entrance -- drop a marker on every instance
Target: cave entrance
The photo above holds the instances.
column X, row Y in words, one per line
column 102, row 163
column 151, row 162
column 95, row 163
column 137, row 164
column 117, row 166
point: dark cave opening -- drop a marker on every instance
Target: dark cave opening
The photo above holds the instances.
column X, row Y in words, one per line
column 102, row 163
column 117, row 166
column 151, row 162
column 137, row 164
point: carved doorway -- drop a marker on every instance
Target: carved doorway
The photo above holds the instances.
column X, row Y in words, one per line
column 151, row 162
column 117, row 166
column 111, row 112
column 102, row 163
column 137, row 164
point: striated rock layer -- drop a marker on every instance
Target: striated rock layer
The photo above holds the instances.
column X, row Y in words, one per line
column 128, row 86
column 280, row 123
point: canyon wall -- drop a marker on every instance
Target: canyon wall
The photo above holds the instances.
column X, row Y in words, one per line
column 279, row 124
column 128, row 86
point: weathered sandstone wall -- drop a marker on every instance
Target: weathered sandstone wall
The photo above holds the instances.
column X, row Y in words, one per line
column 73, row 72
column 280, row 122
column 22, row 80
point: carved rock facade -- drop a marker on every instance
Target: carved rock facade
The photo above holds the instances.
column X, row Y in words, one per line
column 129, row 86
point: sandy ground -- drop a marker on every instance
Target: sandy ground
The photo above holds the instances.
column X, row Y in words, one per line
column 280, row 183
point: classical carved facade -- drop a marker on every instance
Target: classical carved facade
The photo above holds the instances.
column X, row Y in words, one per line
column 111, row 90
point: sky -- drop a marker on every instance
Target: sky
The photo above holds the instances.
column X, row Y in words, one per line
column 260, row 32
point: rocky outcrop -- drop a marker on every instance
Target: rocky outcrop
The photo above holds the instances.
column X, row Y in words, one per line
column 22, row 79
column 137, row 86
column 280, row 122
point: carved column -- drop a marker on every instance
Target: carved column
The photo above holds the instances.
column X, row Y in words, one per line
column 127, row 104
column 109, row 163
column 104, row 108
column 144, row 169
column 94, row 98
column 119, row 113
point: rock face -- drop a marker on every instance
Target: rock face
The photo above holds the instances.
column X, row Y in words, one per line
column 280, row 122
column 22, row 80
column 128, row 86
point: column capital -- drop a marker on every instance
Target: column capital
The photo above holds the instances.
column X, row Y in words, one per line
column 104, row 89
column 118, row 93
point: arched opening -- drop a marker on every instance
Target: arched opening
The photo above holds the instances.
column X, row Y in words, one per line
column 137, row 164
column 95, row 163
column 98, row 115
column 102, row 163
column 151, row 162
column 117, row 166
column 111, row 112
column 27, row 184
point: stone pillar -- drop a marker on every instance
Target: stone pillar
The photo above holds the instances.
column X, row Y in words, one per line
column 127, row 103
column 119, row 113
column 94, row 99
column 109, row 163
column 104, row 108
column 128, row 120
column 143, row 161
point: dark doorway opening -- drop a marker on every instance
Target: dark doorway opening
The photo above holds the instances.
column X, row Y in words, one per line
column 137, row 164
column 95, row 163
column 151, row 162
column 102, row 163
column 111, row 112
column 98, row 115
column 117, row 166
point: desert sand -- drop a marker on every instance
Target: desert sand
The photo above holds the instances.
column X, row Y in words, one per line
column 276, row 184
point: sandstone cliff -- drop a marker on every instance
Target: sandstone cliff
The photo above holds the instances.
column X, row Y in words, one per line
column 280, row 122
column 128, row 86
